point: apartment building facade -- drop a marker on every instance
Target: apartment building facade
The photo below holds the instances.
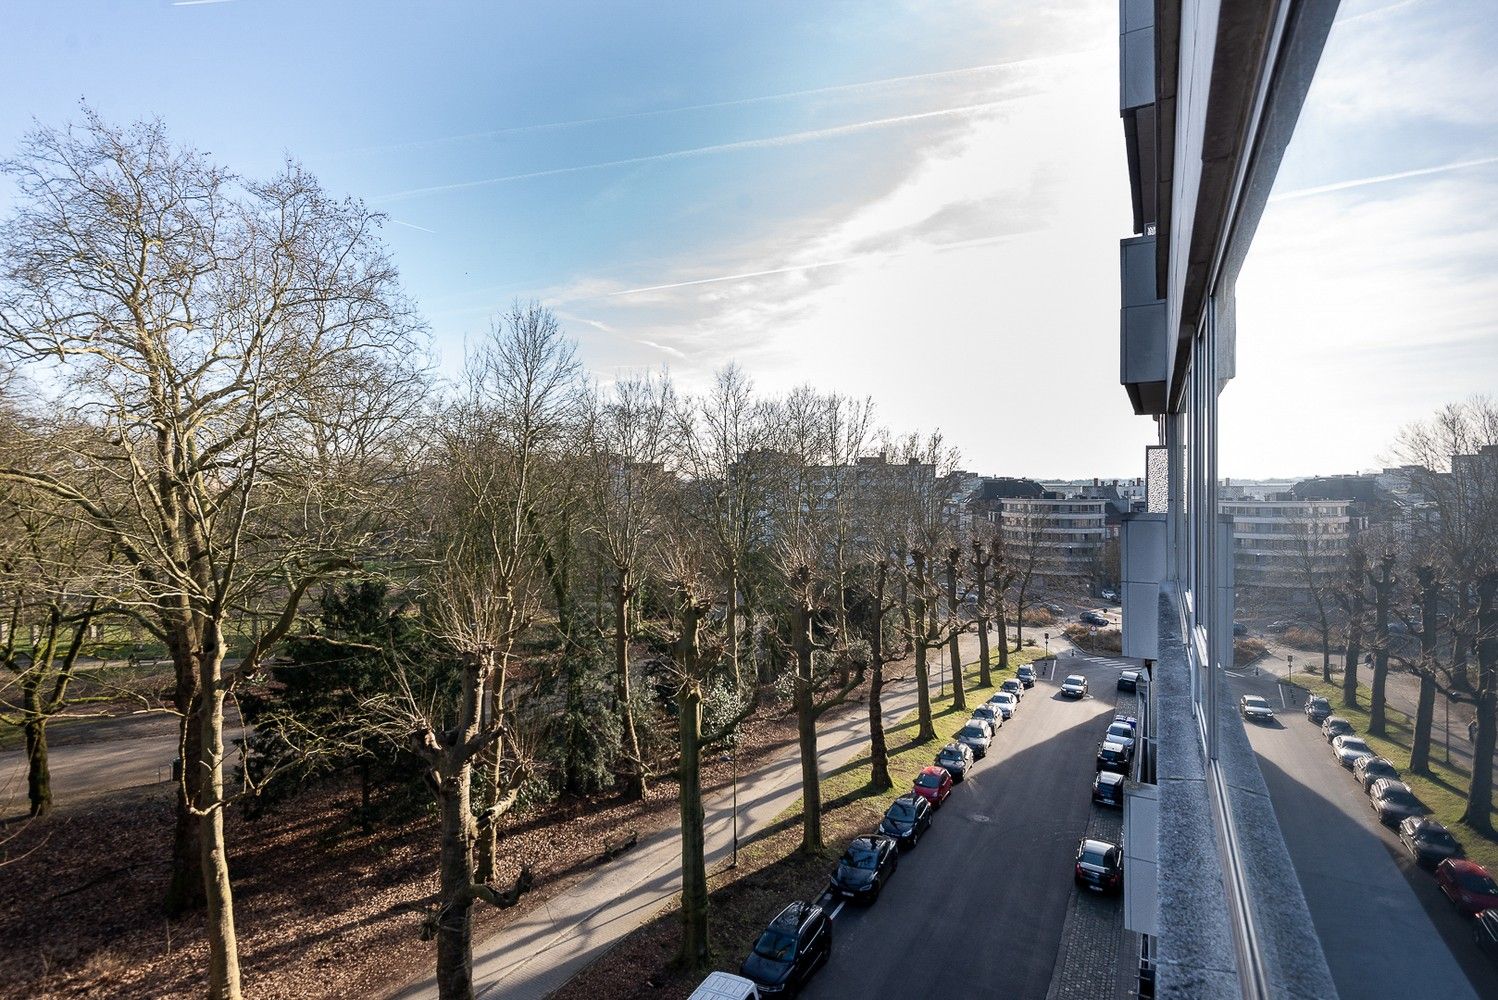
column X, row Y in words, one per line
column 1285, row 546
column 1069, row 535
column 1210, row 94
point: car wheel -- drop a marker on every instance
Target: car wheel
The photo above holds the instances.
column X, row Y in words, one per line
column 874, row 896
column 915, row 838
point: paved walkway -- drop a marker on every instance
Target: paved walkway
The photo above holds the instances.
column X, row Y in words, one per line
column 548, row 945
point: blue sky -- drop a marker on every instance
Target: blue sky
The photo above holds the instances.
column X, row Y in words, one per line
column 919, row 201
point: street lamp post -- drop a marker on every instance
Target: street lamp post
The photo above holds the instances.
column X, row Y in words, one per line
column 1448, row 727
column 1289, row 666
column 1047, row 644
column 732, row 757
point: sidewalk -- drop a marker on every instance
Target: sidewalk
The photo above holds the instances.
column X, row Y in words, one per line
column 547, row 946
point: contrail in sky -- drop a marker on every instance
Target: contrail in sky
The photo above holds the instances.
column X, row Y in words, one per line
column 1381, row 178
column 735, row 103
column 408, row 225
column 197, row 3
column 791, row 268
column 787, row 139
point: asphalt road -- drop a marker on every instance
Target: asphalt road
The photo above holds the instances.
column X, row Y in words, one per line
column 977, row 909
column 1386, row 929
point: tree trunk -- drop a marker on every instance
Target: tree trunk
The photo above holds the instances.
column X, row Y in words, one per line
column 1461, row 639
column 223, row 946
column 1003, row 625
column 1383, row 590
column 487, row 831
column 1354, row 648
column 878, row 750
column 954, row 653
column 694, row 901
column 926, row 731
column 980, row 578
column 622, row 593
column 459, row 833
column 1425, row 709
column 806, row 732
column 731, row 622
column 1326, row 650
column 38, row 776
column 1019, row 617
column 1479, row 812
column 185, row 886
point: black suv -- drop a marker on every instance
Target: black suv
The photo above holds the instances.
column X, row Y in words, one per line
column 906, row 819
column 1026, row 675
column 864, row 867
column 1099, row 866
column 1113, row 757
column 796, row 944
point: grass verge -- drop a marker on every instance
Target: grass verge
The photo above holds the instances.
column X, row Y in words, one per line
column 1444, row 789
column 772, row 870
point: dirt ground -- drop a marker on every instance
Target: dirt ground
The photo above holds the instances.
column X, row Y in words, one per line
column 323, row 910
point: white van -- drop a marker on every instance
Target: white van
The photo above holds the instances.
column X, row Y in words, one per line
column 722, row 986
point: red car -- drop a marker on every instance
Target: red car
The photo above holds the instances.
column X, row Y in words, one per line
column 1468, row 885
column 934, row 784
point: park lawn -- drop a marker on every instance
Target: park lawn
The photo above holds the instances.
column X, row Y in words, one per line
column 1444, row 789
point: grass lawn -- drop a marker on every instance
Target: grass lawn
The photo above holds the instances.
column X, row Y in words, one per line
column 1444, row 789
column 771, row 870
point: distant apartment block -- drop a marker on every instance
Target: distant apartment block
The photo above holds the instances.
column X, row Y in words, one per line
column 1067, row 534
column 1284, row 544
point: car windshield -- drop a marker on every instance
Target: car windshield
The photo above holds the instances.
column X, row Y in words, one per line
column 951, row 756
column 972, row 732
column 1254, row 701
column 1320, row 703
column 1354, row 746
column 1091, row 856
column 777, row 946
column 902, row 811
column 1477, row 882
column 928, row 781
column 864, row 858
column 1003, row 699
column 1401, row 798
column 1075, row 679
column 1120, row 730
column 1436, row 838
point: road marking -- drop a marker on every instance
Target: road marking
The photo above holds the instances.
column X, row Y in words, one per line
column 1233, row 673
column 1282, row 695
column 837, row 909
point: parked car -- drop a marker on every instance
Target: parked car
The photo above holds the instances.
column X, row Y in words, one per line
column 978, row 736
column 1054, row 608
column 1468, row 885
column 1128, row 680
column 1239, row 628
column 1282, row 625
column 866, row 864
column 1026, row 675
column 956, row 758
column 725, row 986
column 1395, row 802
column 796, row 944
column 1127, row 720
column 1092, row 618
column 1485, row 933
column 1255, row 709
column 1347, row 749
column 1113, row 757
column 1318, row 710
column 1005, row 703
column 907, row 818
column 1014, row 687
column 1334, row 725
column 1122, row 733
column 991, row 714
column 1107, row 789
column 933, row 784
column 1110, row 595
column 1370, row 769
column 1075, row 686
column 1099, row 866
column 1428, row 840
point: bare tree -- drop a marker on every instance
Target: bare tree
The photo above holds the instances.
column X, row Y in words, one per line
column 1024, row 543
column 1479, row 812
column 1425, row 668
column 631, row 441
column 1383, row 589
column 483, row 592
column 982, row 561
column 236, row 356
column 1314, row 543
column 1353, row 598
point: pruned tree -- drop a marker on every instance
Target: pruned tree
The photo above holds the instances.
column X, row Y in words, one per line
column 1314, row 545
column 1383, row 590
column 483, row 591
column 234, row 358
column 1479, row 812
column 1353, row 598
column 1426, row 668
column 687, row 555
column 982, row 561
column 631, row 442
column 1024, row 544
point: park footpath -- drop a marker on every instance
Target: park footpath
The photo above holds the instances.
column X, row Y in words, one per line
column 548, row 945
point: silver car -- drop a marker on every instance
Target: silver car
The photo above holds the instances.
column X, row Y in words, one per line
column 1075, row 686
column 1347, row 750
column 1005, row 703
